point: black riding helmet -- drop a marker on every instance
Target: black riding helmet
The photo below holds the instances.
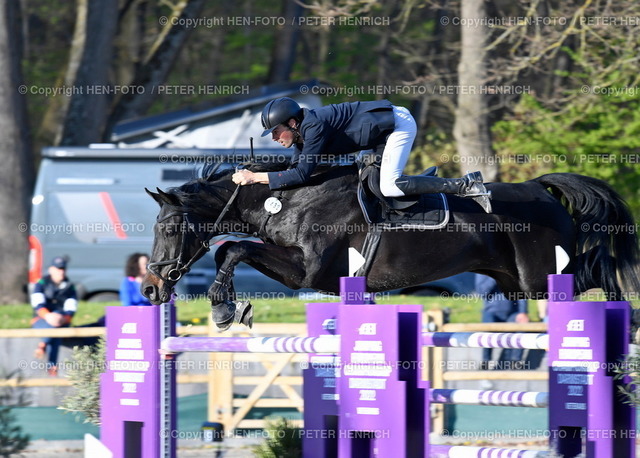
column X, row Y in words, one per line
column 279, row 111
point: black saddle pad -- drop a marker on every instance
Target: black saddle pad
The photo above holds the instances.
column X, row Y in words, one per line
column 427, row 211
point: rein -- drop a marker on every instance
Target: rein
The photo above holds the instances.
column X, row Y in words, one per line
column 181, row 267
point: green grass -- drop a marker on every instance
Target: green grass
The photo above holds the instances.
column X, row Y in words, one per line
column 19, row 316
column 287, row 310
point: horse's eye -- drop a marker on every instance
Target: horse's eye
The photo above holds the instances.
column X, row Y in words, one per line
column 167, row 228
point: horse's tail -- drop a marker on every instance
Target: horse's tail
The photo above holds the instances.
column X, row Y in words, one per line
column 606, row 242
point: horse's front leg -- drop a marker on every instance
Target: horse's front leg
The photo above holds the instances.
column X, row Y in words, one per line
column 280, row 263
column 224, row 308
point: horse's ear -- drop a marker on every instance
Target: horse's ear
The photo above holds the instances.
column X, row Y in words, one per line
column 154, row 196
column 162, row 197
column 167, row 198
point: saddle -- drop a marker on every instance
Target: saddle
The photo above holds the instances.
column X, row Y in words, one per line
column 426, row 211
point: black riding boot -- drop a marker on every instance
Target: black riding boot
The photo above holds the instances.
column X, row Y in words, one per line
column 469, row 185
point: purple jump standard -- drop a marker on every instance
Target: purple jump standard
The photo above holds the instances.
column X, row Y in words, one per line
column 586, row 342
column 137, row 390
column 370, row 401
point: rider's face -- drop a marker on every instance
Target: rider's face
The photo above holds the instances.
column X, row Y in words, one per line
column 283, row 135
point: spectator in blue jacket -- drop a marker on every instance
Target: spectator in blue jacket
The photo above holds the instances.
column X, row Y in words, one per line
column 134, row 271
column 498, row 309
column 54, row 301
column 348, row 128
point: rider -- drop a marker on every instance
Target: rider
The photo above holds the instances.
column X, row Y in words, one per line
column 350, row 127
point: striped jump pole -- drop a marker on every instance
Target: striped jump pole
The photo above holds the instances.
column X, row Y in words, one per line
column 459, row 451
column 323, row 344
column 331, row 344
column 486, row 340
column 490, row 398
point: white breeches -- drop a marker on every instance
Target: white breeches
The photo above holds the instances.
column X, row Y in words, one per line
column 396, row 151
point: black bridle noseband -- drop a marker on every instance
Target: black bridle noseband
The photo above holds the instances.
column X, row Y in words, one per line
column 181, row 267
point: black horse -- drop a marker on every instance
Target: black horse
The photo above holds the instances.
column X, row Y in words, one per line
column 306, row 242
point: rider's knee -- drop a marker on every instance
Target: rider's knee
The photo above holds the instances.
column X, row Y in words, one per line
column 389, row 189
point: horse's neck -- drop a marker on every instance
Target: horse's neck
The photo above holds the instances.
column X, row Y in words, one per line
column 249, row 206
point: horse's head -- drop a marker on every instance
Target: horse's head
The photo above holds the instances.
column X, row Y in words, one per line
column 189, row 217
column 181, row 237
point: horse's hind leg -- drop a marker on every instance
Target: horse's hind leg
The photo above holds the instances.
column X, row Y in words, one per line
column 276, row 262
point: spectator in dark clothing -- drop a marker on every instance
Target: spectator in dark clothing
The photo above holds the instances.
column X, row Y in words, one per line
column 54, row 303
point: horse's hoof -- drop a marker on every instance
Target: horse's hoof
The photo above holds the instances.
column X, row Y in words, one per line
column 223, row 315
column 226, row 313
column 244, row 313
column 224, row 326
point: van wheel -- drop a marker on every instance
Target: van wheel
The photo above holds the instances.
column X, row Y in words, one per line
column 106, row 296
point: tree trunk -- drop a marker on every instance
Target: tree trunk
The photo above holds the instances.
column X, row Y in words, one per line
column 16, row 173
column 156, row 67
column 472, row 129
column 89, row 105
column 284, row 47
column 128, row 52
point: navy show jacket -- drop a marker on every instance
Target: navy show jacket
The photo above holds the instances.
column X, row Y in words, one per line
column 334, row 130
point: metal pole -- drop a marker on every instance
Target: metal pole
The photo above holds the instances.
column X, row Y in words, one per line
column 167, row 385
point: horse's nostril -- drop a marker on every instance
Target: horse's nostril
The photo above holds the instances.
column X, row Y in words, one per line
column 150, row 291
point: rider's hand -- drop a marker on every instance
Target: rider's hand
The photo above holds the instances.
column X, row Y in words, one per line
column 54, row 319
column 243, row 177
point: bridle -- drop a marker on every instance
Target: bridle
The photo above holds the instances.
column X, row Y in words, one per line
column 181, row 267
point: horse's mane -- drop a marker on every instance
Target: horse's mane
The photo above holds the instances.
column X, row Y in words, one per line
column 211, row 172
column 218, row 174
column 218, row 171
column 268, row 166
